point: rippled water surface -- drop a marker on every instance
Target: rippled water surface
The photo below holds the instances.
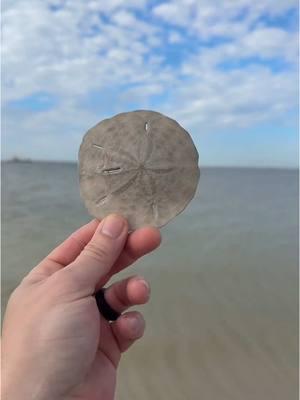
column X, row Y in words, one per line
column 222, row 321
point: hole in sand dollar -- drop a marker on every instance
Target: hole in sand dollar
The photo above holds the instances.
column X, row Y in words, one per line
column 101, row 200
column 98, row 146
column 109, row 171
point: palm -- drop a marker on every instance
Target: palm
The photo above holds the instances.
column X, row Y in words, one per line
column 100, row 380
column 103, row 341
column 74, row 351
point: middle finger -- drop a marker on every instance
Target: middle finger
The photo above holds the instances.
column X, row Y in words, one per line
column 127, row 293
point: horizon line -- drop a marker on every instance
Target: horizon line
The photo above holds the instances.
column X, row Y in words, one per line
column 23, row 160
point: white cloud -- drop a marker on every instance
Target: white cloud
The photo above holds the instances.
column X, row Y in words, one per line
column 238, row 98
column 107, row 48
column 270, row 43
column 174, row 37
column 173, row 13
column 51, row 52
column 211, row 18
column 124, row 18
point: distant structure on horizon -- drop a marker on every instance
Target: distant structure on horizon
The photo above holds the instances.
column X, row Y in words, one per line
column 17, row 159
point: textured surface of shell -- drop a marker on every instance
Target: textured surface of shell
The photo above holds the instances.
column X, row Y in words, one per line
column 140, row 164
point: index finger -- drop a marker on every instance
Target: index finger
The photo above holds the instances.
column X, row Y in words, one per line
column 139, row 243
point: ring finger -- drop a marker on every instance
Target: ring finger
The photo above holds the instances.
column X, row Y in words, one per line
column 129, row 292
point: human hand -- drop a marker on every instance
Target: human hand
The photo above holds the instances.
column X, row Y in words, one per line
column 55, row 343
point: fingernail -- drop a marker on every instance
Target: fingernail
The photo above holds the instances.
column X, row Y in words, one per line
column 113, row 226
column 144, row 283
column 136, row 325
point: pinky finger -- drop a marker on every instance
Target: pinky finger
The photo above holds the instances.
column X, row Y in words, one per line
column 128, row 328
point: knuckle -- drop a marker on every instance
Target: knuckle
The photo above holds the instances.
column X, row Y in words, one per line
column 67, row 282
column 14, row 296
column 77, row 241
column 98, row 251
column 34, row 276
column 68, row 279
column 21, row 296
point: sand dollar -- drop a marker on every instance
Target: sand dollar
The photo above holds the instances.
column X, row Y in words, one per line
column 141, row 164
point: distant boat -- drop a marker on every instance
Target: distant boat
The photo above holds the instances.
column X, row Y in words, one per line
column 19, row 160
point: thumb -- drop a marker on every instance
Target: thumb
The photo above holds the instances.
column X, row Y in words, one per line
column 99, row 255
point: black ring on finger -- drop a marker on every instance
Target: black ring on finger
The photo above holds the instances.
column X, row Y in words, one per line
column 104, row 308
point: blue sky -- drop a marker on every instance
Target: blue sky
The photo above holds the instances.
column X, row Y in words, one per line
column 225, row 70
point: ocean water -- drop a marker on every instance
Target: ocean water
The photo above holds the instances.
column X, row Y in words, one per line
column 222, row 322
